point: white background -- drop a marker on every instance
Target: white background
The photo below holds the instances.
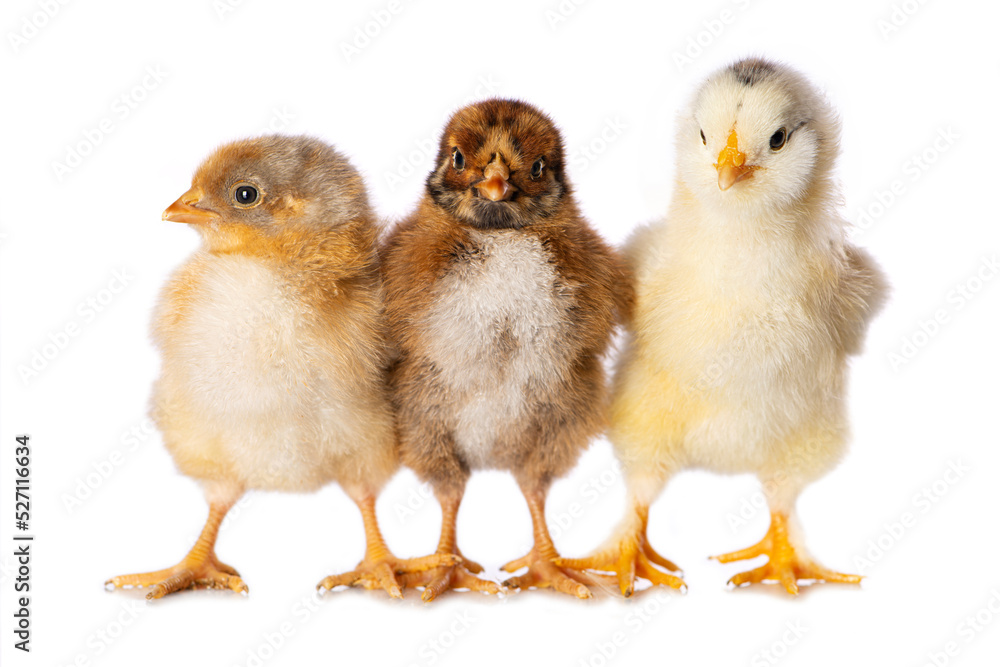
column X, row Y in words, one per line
column 609, row 73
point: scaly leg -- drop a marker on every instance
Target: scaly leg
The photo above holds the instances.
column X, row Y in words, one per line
column 629, row 555
column 545, row 568
column 378, row 569
column 458, row 574
column 199, row 569
column 784, row 565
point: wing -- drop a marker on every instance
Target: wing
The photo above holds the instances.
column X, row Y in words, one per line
column 860, row 295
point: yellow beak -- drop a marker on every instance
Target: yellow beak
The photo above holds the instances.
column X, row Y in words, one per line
column 732, row 166
column 186, row 209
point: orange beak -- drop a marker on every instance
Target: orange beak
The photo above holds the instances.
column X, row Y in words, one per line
column 732, row 166
column 494, row 185
column 186, row 209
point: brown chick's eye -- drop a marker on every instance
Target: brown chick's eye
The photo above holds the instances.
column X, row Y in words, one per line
column 245, row 195
column 458, row 160
column 537, row 167
column 778, row 139
column 703, row 137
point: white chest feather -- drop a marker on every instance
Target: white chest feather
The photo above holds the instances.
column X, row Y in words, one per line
column 241, row 338
column 495, row 334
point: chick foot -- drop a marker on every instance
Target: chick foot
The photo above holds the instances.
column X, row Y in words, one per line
column 784, row 565
column 546, row 571
column 631, row 557
column 455, row 576
column 199, row 569
column 192, row 572
column 545, row 568
column 460, row 574
column 378, row 569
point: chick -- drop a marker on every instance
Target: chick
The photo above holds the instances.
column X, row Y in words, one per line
column 749, row 303
column 502, row 301
column 273, row 345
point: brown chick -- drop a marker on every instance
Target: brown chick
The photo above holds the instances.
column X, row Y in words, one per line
column 273, row 347
column 502, row 301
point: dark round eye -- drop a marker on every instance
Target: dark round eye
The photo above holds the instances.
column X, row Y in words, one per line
column 245, row 195
column 778, row 139
column 537, row 167
column 457, row 159
column 703, row 137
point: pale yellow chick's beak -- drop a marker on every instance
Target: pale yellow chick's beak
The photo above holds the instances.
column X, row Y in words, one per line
column 732, row 166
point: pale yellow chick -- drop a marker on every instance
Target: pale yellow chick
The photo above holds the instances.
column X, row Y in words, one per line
column 750, row 301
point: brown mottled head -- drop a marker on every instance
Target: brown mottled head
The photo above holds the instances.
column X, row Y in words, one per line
column 499, row 165
column 268, row 183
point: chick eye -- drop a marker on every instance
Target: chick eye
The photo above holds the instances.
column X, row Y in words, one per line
column 457, row 159
column 537, row 167
column 778, row 139
column 245, row 195
column 703, row 137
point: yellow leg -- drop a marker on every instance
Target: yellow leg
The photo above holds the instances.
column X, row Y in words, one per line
column 199, row 569
column 378, row 569
column 545, row 568
column 630, row 557
column 458, row 574
column 784, row 565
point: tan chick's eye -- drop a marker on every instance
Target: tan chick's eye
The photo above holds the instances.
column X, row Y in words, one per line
column 703, row 141
column 245, row 195
column 457, row 159
column 537, row 167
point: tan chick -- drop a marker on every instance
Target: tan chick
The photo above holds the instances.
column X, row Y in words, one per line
column 502, row 301
column 273, row 348
column 749, row 303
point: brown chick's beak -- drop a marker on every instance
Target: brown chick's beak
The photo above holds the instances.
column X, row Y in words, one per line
column 732, row 165
column 185, row 209
column 494, row 186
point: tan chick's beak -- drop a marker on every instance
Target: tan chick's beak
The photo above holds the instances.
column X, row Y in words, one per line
column 732, row 166
column 186, row 209
column 494, row 185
